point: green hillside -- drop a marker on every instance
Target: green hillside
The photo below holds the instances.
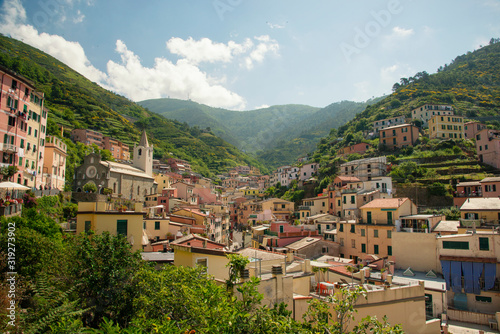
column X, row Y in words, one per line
column 471, row 83
column 306, row 134
column 250, row 130
column 277, row 134
column 76, row 102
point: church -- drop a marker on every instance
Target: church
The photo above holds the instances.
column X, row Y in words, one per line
column 132, row 182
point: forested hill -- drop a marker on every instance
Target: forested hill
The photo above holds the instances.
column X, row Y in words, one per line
column 76, row 102
column 278, row 134
column 471, row 83
column 250, row 130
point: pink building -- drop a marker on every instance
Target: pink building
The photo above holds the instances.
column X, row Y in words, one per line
column 471, row 128
column 356, row 148
column 23, row 122
column 399, row 136
column 87, row 137
column 488, row 147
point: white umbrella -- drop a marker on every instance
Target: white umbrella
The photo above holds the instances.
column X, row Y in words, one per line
column 13, row 186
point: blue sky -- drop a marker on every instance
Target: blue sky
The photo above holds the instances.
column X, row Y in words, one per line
column 241, row 54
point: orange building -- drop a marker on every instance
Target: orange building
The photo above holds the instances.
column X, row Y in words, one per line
column 399, row 136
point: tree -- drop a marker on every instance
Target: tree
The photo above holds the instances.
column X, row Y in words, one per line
column 8, row 172
column 90, row 187
column 104, row 268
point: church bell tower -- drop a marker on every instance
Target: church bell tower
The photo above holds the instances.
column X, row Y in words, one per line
column 143, row 155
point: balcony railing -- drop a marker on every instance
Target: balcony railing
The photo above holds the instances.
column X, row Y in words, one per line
column 471, row 194
column 471, row 222
column 9, row 148
column 376, row 222
column 304, row 207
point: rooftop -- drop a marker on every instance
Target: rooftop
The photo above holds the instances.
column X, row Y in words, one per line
column 385, row 203
column 304, row 242
column 482, row 203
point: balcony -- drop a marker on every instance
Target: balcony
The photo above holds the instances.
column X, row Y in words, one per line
column 350, row 191
column 469, row 194
column 8, row 148
column 471, row 222
column 304, row 207
column 376, row 222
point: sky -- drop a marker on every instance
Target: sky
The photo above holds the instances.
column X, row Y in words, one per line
column 242, row 54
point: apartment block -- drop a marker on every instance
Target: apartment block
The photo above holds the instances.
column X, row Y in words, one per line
column 119, row 150
column 23, row 124
column 446, row 127
column 399, row 136
column 54, row 165
column 87, row 137
column 471, row 128
column 488, row 147
column 427, row 111
column 386, row 123
column 364, row 169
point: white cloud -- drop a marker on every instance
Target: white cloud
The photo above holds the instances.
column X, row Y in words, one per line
column 399, row 32
column 79, row 17
column 275, row 25
column 266, row 45
column 206, row 50
column 392, row 74
column 264, row 106
column 180, row 80
column 12, row 22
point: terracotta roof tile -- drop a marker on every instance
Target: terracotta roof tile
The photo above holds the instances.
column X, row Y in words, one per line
column 385, row 203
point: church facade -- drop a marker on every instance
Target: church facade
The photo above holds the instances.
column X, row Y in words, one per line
column 131, row 182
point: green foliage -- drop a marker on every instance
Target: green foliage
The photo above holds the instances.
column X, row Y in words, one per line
column 90, row 187
column 8, row 172
column 236, row 264
column 103, row 269
column 407, row 171
column 437, row 189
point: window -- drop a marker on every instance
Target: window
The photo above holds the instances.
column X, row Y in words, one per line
column 29, row 130
column 362, row 232
column 121, row 227
column 203, row 262
column 157, row 225
column 375, row 233
column 87, row 226
column 389, row 250
column 375, row 249
column 353, row 243
column 455, row 244
column 12, row 121
column 353, row 228
column 324, row 249
column 478, row 137
column 484, row 244
column 389, row 234
column 404, row 138
column 341, row 227
column 363, row 248
column 282, row 228
column 353, row 199
column 483, row 299
column 485, row 147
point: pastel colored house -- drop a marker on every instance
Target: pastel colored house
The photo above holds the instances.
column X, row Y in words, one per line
column 480, row 211
column 23, row 124
column 54, row 164
column 446, row 127
column 359, row 148
column 97, row 217
column 488, row 147
column 388, row 122
column 427, row 111
column 364, row 169
column 399, row 136
column 471, row 128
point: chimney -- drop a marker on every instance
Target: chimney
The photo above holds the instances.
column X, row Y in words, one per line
column 389, row 279
column 204, row 244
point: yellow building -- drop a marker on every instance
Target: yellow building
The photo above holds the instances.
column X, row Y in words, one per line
column 201, row 218
column 252, row 192
column 281, row 209
column 163, row 181
column 479, row 211
column 313, row 206
column 194, row 250
column 95, row 216
column 54, row 164
column 446, row 127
